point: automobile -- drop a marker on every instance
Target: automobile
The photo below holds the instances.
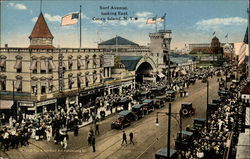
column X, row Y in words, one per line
column 149, row 105
column 192, row 80
column 125, row 118
column 162, row 154
column 170, row 95
column 187, row 109
column 139, row 110
column 199, row 123
column 211, row 108
column 184, row 140
column 159, row 101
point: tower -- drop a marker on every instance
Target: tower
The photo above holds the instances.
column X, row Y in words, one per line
column 41, row 37
column 160, row 48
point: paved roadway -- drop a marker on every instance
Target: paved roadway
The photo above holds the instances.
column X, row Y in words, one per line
column 149, row 138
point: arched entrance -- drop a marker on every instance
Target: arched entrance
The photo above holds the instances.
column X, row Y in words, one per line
column 144, row 70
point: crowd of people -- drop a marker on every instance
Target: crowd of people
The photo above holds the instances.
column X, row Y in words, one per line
column 223, row 125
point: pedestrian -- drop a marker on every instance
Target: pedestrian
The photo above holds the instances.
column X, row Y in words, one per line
column 93, row 143
column 131, row 136
column 89, row 138
column 124, row 138
column 76, row 130
column 97, row 129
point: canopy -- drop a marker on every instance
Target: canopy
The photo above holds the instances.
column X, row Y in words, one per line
column 138, row 106
column 189, row 133
column 161, row 75
column 6, row 104
column 124, row 113
column 147, row 101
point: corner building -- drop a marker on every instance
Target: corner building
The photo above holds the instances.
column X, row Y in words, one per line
column 41, row 77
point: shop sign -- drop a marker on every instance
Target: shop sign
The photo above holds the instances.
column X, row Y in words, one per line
column 109, row 60
column 52, row 101
column 26, row 104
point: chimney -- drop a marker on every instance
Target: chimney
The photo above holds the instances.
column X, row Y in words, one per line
column 6, row 45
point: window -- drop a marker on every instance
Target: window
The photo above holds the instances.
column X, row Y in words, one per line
column 70, row 62
column 94, row 61
column 43, row 66
column 79, row 80
column 101, row 76
column 2, row 64
column 87, row 79
column 52, row 66
column 51, row 85
column 18, row 84
column 34, row 86
column 87, row 62
column 43, row 86
column 33, row 66
column 18, row 65
column 2, row 83
column 101, row 61
column 94, row 76
column 71, row 81
column 79, row 63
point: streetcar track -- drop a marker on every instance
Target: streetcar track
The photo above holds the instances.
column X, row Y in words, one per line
column 46, row 154
column 8, row 157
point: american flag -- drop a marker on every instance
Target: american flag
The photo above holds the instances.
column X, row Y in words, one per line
column 161, row 19
column 70, row 19
column 151, row 20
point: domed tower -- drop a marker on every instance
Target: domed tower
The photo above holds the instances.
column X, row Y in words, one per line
column 215, row 46
column 41, row 37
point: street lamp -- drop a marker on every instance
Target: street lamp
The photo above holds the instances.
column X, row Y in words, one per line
column 170, row 114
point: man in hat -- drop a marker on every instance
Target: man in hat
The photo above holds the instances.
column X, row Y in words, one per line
column 124, row 138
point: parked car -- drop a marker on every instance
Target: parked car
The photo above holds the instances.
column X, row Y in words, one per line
column 162, row 154
column 184, row 140
column 149, row 105
column 170, row 95
column 125, row 118
column 159, row 101
column 139, row 110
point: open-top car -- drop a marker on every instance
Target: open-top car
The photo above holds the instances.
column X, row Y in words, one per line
column 149, row 105
column 159, row 101
column 125, row 118
column 139, row 110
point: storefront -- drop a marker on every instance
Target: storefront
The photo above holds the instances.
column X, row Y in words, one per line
column 27, row 107
column 45, row 106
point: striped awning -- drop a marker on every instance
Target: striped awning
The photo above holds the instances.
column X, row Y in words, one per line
column 80, row 79
column 2, row 62
column 95, row 61
column 43, row 65
column 79, row 63
column 18, row 84
column 33, row 65
column 101, row 76
column 18, row 64
column 6, row 104
column 87, row 78
column 52, row 65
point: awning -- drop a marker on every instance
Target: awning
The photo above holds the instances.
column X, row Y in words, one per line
column 161, row 75
column 18, row 64
column 43, row 83
column 34, row 83
column 80, row 79
column 70, row 61
column 6, row 104
column 87, row 59
column 95, row 61
column 101, row 60
column 51, row 65
column 183, row 72
column 101, row 76
column 79, row 63
column 33, row 65
column 71, row 81
column 50, row 82
column 43, row 66
column 87, row 78
column 2, row 62
column 94, row 77
column 18, row 84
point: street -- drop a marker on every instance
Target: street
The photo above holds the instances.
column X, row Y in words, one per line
column 148, row 137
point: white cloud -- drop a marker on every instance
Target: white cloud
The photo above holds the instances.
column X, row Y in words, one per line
column 216, row 23
column 143, row 14
column 17, row 6
column 55, row 18
column 34, row 19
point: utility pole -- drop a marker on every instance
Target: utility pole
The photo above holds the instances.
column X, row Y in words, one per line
column 207, row 101
column 169, row 131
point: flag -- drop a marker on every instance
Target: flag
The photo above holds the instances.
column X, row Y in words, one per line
column 161, row 19
column 70, row 19
column 214, row 33
column 151, row 20
column 226, row 36
column 243, row 49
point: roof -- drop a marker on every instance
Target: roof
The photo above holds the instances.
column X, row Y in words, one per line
column 124, row 113
column 118, row 41
column 189, row 133
column 246, row 89
column 130, row 62
column 138, row 105
column 164, row 152
column 147, row 101
column 41, row 29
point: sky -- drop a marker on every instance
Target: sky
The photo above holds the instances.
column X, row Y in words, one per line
column 191, row 21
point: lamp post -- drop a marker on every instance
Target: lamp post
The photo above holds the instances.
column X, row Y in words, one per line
column 170, row 114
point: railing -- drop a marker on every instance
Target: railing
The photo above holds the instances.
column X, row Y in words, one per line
column 56, row 50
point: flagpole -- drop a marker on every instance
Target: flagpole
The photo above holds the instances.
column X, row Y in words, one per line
column 156, row 27
column 164, row 22
column 80, row 26
column 248, row 40
column 40, row 6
